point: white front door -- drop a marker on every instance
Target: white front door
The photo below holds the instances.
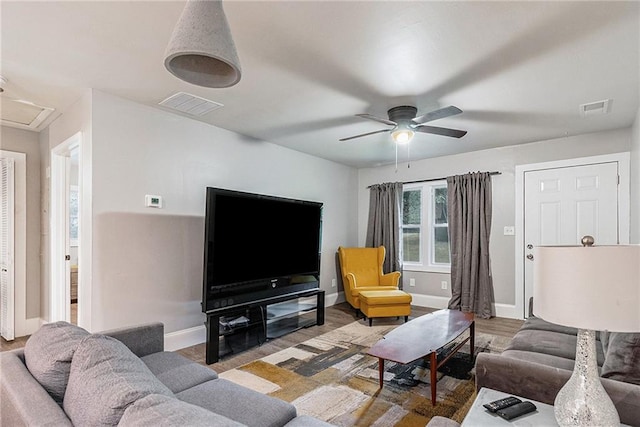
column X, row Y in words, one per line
column 561, row 205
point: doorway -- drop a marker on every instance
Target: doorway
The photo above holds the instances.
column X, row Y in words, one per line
column 560, row 202
column 66, row 231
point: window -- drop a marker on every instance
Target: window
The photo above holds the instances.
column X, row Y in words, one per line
column 425, row 228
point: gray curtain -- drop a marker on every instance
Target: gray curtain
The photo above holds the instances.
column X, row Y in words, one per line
column 383, row 228
column 469, row 206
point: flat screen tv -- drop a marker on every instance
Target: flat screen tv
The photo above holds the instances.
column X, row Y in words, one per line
column 258, row 247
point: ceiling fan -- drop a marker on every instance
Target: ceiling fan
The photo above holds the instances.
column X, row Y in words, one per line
column 405, row 123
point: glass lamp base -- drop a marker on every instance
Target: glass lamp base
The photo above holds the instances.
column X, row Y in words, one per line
column 583, row 401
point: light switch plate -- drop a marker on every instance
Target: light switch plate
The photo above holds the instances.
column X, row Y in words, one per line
column 412, row 282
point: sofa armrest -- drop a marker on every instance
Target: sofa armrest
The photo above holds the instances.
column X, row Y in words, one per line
column 141, row 340
column 542, row 383
column 23, row 401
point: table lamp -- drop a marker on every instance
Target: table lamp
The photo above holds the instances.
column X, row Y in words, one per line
column 590, row 288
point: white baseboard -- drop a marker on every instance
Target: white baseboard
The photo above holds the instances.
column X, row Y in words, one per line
column 502, row 310
column 333, row 299
column 509, row 311
column 185, row 338
column 28, row 326
column 429, row 301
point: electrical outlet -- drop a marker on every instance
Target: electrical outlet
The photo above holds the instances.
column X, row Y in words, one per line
column 443, row 284
column 509, row 230
column 333, row 283
column 412, row 282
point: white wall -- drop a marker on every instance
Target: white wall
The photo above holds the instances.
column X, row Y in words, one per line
column 503, row 160
column 148, row 262
column 24, row 141
column 635, row 181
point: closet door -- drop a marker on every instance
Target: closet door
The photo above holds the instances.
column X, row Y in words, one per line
column 7, row 277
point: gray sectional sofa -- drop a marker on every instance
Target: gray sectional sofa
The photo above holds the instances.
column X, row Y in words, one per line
column 539, row 360
column 67, row 376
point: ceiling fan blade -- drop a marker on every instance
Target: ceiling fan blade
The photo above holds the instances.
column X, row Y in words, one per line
column 377, row 119
column 365, row 134
column 437, row 114
column 455, row 133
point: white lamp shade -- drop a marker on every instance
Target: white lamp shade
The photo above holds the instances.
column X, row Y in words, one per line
column 596, row 288
column 201, row 50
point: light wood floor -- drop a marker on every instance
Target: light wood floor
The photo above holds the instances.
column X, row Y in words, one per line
column 335, row 317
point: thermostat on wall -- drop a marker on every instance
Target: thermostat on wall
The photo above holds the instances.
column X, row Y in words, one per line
column 152, row 201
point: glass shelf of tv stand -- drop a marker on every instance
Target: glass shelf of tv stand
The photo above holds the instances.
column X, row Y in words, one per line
column 240, row 330
column 288, row 316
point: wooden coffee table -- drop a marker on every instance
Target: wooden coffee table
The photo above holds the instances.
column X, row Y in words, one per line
column 422, row 337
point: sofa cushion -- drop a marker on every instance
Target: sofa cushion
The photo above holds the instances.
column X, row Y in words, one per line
column 106, row 377
column 623, row 358
column 542, row 325
column 48, row 353
column 543, row 359
column 176, row 371
column 547, row 342
column 232, row 400
column 309, row 421
column 160, row 410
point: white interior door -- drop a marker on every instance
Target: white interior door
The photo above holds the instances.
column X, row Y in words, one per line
column 561, row 205
column 7, row 278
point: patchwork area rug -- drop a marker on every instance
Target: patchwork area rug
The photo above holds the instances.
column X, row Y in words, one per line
column 332, row 378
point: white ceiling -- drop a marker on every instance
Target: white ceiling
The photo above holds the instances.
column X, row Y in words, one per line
column 518, row 70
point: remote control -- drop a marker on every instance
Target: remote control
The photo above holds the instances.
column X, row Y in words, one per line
column 516, row 410
column 501, row 403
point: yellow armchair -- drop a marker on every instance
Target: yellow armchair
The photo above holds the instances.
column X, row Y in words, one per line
column 362, row 271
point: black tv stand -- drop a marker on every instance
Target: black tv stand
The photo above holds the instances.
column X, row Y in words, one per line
column 251, row 321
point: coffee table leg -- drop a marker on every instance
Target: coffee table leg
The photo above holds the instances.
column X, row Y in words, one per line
column 472, row 334
column 434, row 369
column 381, row 370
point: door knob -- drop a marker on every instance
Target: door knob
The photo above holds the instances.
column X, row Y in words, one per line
column 530, row 257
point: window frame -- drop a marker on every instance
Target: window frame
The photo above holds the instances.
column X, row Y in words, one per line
column 427, row 229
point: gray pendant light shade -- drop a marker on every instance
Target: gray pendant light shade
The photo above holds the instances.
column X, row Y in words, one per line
column 201, row 50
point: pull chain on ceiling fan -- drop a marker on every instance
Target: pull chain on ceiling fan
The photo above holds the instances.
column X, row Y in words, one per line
column 405, row 123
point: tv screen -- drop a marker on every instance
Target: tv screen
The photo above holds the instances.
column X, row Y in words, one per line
column 258, row 244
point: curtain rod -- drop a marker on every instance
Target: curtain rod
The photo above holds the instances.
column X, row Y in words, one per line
column 438, row 179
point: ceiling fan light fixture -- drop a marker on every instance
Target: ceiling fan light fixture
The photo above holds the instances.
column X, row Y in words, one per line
column 402, row 134
column 201, row 50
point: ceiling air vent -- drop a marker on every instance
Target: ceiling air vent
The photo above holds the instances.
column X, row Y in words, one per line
column 594, row 108
column 190, row 104
column 22, row 114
